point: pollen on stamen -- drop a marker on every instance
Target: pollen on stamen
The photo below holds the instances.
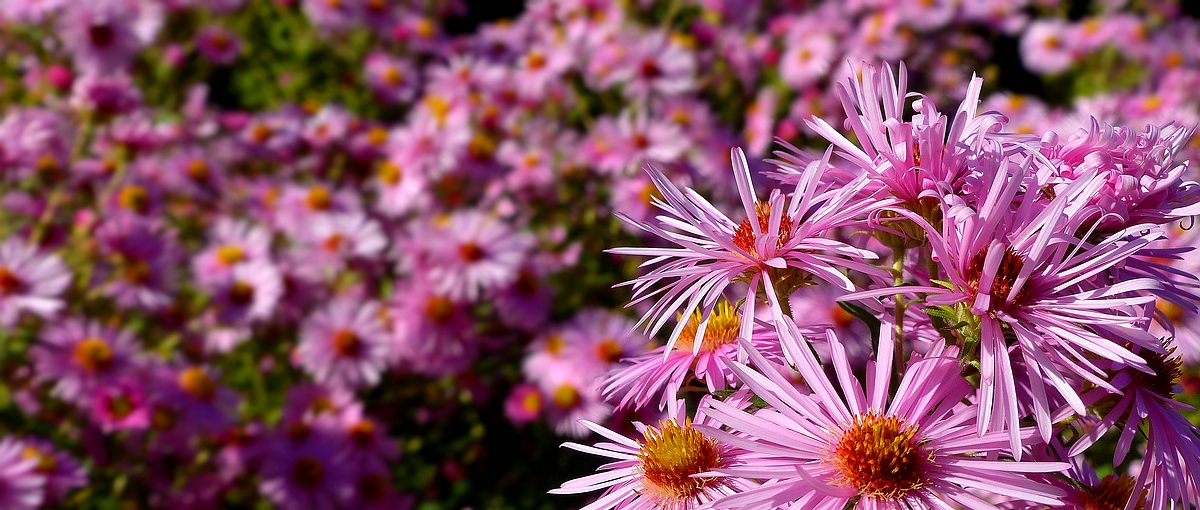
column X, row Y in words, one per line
column 723, row 326
column 880, row 456
column 744, row 237
column 669, row 456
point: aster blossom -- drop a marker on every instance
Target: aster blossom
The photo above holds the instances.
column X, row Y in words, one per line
column 843, row 445
column 780, row 242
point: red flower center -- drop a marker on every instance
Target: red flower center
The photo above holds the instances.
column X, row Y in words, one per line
column 1002, row 284
column 308, row 472
column 9, row 282
column 101, row 35
column 346, row 343
column 744, row 237
column 1113, row 492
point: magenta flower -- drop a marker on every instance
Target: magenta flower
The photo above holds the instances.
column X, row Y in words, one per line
column 345, row 344
column 304, row 470
column 63, row 472
column 122, row 405
column 841, row 444
column 779, row 242
column 103, row 36
column 433, row 333
column 29, row 281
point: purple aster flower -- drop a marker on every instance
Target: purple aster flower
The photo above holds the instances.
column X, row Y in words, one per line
column 299, row 205
column 392, row 80
column 1146, row 403
column 21, row 486
column 231, row 242
column 841, row 444
column 143, row 261
column 779, row 243
column 80, row 356
column 105, row 95
column 34, row 140
column 1025, row 277
column 103, row 36
column 660, row 470
column 122, row 405
column 654, row 64
column 29, row 281
column 330, row 240
column 218, row 45
column 660, row 374
column 63, row 472
column 194, row 172
column 345, row 344
column 401, row 191
column 30, row 11
column 433, row 333
column 526, row 303
column 192, row 398
column 327, row 128
column 1046, row 46
column 250, row 293
column 473, row 252
column 1141, row 181
column 303, row 470
column 333, row 15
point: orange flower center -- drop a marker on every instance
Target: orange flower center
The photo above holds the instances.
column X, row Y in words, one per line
column 134, row 198
column 1113, row 492
column 230, row 254
column 319, row 198
column 93, row 354
column 241, row 293
column 609, row 351
column 197, row 383
column 723, row 327
column 439, row 309
column 880, row 456
column 470, row 252
column 566, row 396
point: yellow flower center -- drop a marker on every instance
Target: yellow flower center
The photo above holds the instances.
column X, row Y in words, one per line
column 230, row 254
column 670, row 455
column 723, row 327
column 197, row 383
column 880, row 457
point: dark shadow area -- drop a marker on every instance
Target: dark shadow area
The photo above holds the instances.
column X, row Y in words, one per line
column 483, row 11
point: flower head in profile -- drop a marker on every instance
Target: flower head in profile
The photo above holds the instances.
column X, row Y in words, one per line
column 659, row 471
column 21, row 485
column 779, row 246
column 843, row 443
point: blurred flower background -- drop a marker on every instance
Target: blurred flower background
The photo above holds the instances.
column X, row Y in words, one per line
column 323, row 254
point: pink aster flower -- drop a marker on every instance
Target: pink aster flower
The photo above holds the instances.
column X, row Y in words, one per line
column 1023, row 273
column 473, row 252
column 345, row 344
column 122, row 405
column 658, row 373
column 1146, row 404
column 218, row 45
column 661, row 470
column 332, row 240
column 29, row 281
column 21, row 486
column 807, row 59
column 103, row 36
column 780, row 242
column 844, row 443
column 653, row 64
column 63, row 472
column 1046, row 46
column 250, row 293
column 433, row 333
column 81, row 356
column 231, row 242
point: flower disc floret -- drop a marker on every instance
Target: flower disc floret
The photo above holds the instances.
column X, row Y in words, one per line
column 880, row 456
column 670, row 455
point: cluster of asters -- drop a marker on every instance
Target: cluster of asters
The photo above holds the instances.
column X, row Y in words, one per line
column 1019, row 292
column 201, row 306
